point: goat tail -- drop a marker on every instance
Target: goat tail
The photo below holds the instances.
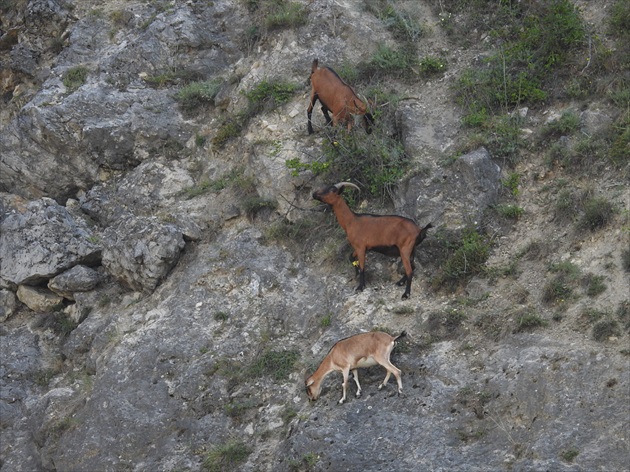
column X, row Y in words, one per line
column 422, row 234
column 314, row 66
column 401, row 335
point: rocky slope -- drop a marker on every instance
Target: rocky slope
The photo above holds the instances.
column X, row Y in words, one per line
column 153, row 318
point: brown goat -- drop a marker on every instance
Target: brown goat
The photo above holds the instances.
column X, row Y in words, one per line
column 349, row 354
column 335, row 96
column 391, row 235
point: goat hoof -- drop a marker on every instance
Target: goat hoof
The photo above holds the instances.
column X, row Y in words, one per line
column 405, row 296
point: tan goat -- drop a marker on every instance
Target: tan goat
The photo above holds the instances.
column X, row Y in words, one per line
column 349, row 354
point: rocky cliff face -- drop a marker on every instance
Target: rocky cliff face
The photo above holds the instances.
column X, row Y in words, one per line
column 163, row 296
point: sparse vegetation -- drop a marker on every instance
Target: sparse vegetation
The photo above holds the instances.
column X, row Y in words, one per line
column 403, row 26
column 512, row 212
column 467, row 258
column 277, row 364
column 605, row 329
column 75, row 77
column 375, row 162
column 529, row 321
column 197, row 94
column 597, row 213
column 569, row 454
column 226, row 457
column 264, row 96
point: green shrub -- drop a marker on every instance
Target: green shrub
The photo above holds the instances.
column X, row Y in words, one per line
column 197, row 94
column 277, row 364
column 285, row 14
column 623, row 313
column 229, row 129
column 269, row 95
column 388, row 62
column 605, row 329
column 512, row 212
column 467, row 259
column 594, row 284
column 376, row 161
column 566, row 124
column 529, row 321
column 512, row 183
column 560, row 288
column 569, row 454
column 254, row 204
column 75, row 78
column 431, row 65
column 226, row 457
column 597, row 213
column 534, row 39
column 264, row 96
column 402, row 25
column 625, row 260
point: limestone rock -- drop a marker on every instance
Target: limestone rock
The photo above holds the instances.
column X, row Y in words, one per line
column 39, row 299
column 78, row 279
column 7, row 304
column 41, row 241
column 139, row 252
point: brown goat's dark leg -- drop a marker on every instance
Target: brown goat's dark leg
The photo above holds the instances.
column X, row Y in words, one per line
column 361, row 258
column 326, row 115
column 408, row 265
column 309, row 112
column 361, row 280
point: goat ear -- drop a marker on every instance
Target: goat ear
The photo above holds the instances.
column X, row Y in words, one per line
column 309, row 382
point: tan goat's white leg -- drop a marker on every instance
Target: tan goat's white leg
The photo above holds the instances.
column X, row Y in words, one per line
column 345, row 373
column 355, row 375
column 386, row 379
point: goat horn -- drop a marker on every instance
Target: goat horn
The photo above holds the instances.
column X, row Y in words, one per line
column 349, row 184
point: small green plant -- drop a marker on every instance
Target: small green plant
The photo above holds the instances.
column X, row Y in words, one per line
column 402, row 25
column 270, row 94
column 197, row 94
column 512, row 183
column 597, row 213
column 467, row 259
column 625, row 260
column 75, row 77
column 231, row 128
column 279, row 14
column 569, row 454
column 606, row 329
column 431, row 65
column 512, row 212
column 623, row 313
column 226, row 457
column 264, row 96
column 529, row 321
column 237, row 409
column 404, row 310
column 326, row 321
column 277, row 364
column 220, row 316
column 594, row 284
column 377, row 160
column 566, row 124
column 255, row 204
column 388, row 62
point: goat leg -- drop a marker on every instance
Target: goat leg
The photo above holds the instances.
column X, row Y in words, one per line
column 355, row 376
